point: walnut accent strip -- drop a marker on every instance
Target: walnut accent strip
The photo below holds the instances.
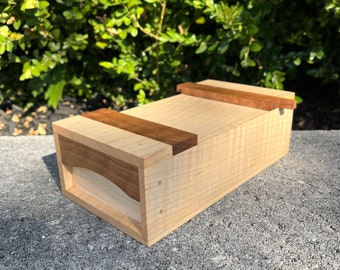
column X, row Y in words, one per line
column 119, row 172
column 258, row 101
column 180, row 140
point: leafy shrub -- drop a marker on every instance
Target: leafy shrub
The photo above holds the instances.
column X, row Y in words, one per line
column 128, row 49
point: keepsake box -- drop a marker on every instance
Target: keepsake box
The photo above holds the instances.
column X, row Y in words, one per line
column 149, row 169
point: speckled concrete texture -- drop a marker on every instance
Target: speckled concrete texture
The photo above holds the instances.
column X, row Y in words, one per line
column 287, row 217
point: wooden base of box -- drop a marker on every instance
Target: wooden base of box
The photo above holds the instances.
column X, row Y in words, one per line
column 148, row 178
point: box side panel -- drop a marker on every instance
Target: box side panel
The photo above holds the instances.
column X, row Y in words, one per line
column 177, row 190
column 65, row 172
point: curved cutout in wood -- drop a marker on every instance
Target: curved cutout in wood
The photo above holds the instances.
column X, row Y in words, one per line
column 99, row 187
column 119, row 172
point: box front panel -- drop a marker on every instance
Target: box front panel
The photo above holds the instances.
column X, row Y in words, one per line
column 104, row 185
column 120, row 173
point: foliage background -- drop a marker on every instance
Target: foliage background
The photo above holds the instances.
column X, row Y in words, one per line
column 133, row 51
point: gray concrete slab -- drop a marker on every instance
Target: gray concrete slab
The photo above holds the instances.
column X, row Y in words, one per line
column 287, row 217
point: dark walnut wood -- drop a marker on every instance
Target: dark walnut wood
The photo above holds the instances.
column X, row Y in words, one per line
column 121, row 173
column 180, row 140
column 253, row 100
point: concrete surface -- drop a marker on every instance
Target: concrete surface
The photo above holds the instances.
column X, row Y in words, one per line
column 287, row 217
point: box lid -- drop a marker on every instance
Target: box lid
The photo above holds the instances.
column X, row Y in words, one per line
column 153, row 131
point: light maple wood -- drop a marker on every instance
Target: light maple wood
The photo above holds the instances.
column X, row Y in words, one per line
column 107, row 192
column 234, row 144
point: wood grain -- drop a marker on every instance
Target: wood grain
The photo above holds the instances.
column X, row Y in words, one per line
column 235, row 143
column 180, row 140
column 253, row 100
column 107, row 192
column 121, row 173
column 177, row 189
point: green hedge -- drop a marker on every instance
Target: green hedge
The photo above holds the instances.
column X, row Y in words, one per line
column 133, row 49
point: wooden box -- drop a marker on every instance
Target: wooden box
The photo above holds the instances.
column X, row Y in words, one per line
column 150, row 169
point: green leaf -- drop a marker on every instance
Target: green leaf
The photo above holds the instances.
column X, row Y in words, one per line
column 248, row 63
column 138, row 86
column 55, row 93
column 101, row 45
column 17, row 24
column 252, row 29
column 129, row 68
column 132, row 3
column 251, row 62
column 26, row 72
column 67, row 14
column 298, row 99
column 163, row 38
column 2, row 49
column 35, row 71
column 122, row 34
column 107, row 65
column 297, row 61
column 126, row 21
column 77, row 15
column 174, row 36
column 140, row 11
column 201, row 48
column 236, row 72
column 56, row 33
column 29, row 4
column 198, row 4
column 43, row 4
column 200, row 20
column 244, row 52
column 133, row 31
column 223, row 47
column 4, row 31
column 255, row 46
column 175, row 63
column 319, row 54
column 15, row 36
column 212, row 47
column 141, row 96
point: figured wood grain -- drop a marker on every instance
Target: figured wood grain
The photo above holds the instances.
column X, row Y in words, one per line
column 239, row 97
column 104, row 190
column 121, row 173
column 177, row 189
column 235, row 143
column 180, row 140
